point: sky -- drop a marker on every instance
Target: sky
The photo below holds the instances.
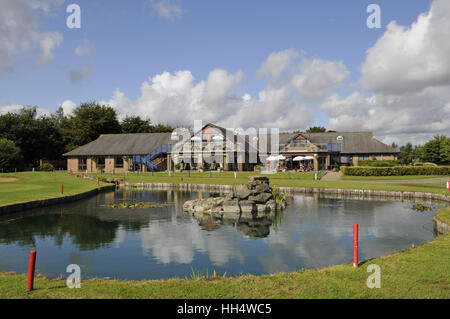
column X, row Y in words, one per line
column 272, row 64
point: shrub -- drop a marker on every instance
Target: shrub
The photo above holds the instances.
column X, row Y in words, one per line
column 256, row 168
column 395, row 171
column 381, row 163
column 46, row 167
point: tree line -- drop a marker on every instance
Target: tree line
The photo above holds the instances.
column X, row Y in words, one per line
column 436, row 151
column 26, row 138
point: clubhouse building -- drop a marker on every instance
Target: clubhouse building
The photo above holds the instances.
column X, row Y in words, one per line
column 216, row 148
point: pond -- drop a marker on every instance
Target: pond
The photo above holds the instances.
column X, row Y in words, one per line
column 164, row 242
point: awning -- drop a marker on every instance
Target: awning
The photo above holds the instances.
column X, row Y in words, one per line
column 298, row 158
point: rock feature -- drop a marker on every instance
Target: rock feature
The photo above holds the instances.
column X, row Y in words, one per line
column 249, row 201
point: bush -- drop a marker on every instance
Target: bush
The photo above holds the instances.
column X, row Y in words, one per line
column 395, row 171
column 46, row 167
column 257, row 168
column 381, row 163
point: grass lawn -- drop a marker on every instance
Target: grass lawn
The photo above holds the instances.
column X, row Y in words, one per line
column 420, row 272
column 29, row 186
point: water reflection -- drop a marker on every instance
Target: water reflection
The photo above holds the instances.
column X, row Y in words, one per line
column 164, row 242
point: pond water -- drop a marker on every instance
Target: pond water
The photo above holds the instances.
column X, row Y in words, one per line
column 165, row 242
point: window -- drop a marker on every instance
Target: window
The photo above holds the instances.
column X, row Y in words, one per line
column 118, row 162
column 363, row 158
column 334, row 147
column 299, row 143
column 100, row 162
column 82, row 164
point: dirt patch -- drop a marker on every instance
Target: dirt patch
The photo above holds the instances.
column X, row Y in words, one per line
column 8, row 179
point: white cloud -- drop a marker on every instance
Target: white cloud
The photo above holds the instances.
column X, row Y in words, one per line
column 84, row 48
column 19, row 30
column 68, row 107
column 15, row 108
column 408, row 75
column 318, row 77
column 276, row 63
column 176, row 98
column 48, row 42
column 167, row 9
column 408, row 59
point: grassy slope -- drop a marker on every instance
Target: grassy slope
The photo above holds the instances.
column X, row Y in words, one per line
column 41, row 185
column 421, row 272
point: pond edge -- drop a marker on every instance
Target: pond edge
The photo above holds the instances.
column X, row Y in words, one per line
column 8, row 209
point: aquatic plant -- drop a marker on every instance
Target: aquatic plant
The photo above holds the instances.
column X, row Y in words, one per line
column 421, row 207
column 277, row 195
column 137, row 205
column 198, row 275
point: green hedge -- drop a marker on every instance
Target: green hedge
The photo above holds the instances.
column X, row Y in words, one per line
column 381, row 163
column 395, row 171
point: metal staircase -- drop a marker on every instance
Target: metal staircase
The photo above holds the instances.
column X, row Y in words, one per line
column 147, row 160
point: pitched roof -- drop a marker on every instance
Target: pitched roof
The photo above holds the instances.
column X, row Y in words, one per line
column 352, row 143
column 123, row 144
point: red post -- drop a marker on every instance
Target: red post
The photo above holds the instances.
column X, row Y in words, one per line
column 355, row 245
column 62, row 212
column 62, row 189
column 98, row 181
column 31, row 266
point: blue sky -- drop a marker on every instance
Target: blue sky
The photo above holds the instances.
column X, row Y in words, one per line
column 131, row 42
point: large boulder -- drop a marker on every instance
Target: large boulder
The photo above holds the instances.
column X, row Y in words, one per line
column 260, row 198
column 242, row 192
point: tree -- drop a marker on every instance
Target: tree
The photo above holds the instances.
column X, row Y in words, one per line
column 436, row 150
column 394, row 145
column 87, row 123
column 134, row 124
column 37, row 138
column 316, row 129
column 162, row 128
column 10, row 156
column 406, row 155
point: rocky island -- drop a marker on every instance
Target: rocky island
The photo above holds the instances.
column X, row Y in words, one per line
column 252, row 200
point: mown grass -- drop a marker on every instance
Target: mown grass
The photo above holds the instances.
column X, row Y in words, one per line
column 444, row 215
column 31, row 186
column 421, row 272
